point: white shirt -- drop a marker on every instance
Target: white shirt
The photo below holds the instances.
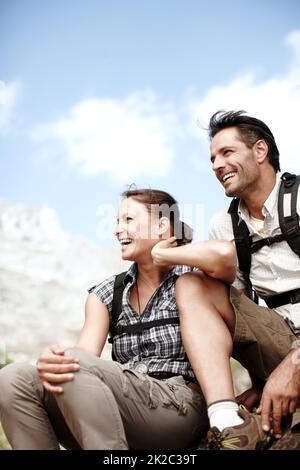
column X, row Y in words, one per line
column 274, row 269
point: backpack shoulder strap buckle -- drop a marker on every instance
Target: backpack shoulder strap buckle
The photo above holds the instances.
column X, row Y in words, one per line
column 288, row 179
column 287, row 210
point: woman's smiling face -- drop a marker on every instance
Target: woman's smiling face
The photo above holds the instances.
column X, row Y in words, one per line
column 137, row 230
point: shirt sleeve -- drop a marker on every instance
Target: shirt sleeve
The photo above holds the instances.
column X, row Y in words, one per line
column 104, row 291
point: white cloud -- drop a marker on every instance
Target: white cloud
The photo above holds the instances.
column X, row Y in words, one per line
column 275, row 100
column 9, row 92
column 139, row 135
column 122, row 137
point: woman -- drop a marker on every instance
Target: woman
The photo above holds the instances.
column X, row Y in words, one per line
column 146, row 399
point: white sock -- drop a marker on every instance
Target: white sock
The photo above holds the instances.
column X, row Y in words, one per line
column 224, row 414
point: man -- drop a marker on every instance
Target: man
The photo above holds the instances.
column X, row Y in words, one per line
column 218, row 322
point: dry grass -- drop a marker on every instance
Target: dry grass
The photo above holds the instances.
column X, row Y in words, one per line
column 4, row 445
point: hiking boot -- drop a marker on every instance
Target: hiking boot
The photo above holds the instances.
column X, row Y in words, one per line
column 246, row 436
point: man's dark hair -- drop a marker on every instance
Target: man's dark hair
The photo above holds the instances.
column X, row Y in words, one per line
column 250, row 130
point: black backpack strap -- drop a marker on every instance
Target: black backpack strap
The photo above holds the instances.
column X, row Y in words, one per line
column 141, row 326
column 116, row 308
column 287, row 210
column 266, row 241
column 243, row 243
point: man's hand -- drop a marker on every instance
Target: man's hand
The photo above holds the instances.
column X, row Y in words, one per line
column 55, row 368
column 280, row 394
column 249, row 398
column 158, row 251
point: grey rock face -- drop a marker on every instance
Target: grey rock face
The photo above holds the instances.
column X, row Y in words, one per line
column 44, row 276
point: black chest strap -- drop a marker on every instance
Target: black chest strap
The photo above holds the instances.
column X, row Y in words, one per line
column 255, row 246
column 141, row 326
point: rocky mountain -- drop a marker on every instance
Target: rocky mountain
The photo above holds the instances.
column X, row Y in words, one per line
column 44, row 276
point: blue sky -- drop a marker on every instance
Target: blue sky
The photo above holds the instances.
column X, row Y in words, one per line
column 98, row 94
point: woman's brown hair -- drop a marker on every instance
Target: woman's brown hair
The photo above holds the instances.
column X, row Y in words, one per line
column 166, row 206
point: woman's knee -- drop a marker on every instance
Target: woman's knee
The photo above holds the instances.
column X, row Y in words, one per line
column 194, row 283
column 90, row 362
column 13, row 378
column 83, row 356
column 87, row 361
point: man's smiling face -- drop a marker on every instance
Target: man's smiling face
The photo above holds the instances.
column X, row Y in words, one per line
column 234, row 164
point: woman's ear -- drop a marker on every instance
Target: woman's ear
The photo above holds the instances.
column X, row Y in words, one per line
column 164, row 229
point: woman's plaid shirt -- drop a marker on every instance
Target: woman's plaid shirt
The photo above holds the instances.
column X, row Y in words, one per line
column 160, row 348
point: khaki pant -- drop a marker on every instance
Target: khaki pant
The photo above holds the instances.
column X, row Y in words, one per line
column 106, row 406
column 262, row 337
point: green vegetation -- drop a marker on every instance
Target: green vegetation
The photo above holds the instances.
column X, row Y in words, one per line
column 8, row 360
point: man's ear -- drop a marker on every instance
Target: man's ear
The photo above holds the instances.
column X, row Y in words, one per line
column 261, row 150
column 164, row 228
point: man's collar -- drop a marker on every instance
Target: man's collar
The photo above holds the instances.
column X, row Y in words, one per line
column 269, row 207
column 270, row 204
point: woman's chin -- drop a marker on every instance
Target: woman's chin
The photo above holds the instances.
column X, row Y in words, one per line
column 133, row 252
column 127, row 255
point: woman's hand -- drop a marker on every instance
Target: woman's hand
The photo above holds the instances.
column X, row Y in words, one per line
column 159, row 250
column 55, row 368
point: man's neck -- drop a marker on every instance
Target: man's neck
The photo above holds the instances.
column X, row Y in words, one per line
column 255, row 198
